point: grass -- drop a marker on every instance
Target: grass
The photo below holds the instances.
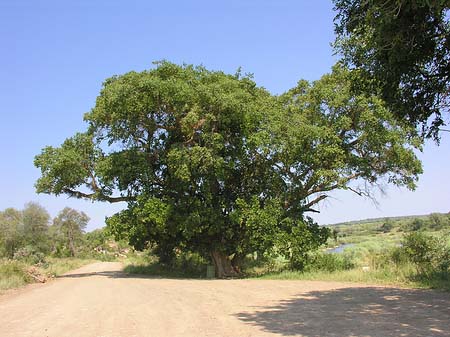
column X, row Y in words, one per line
column 13, row 274
column 385, row 276
column 59, row 266
column 149, row 265
column 404, row 277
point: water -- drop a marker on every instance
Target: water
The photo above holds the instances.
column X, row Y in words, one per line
column 340, row 248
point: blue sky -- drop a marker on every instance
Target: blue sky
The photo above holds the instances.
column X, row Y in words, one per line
column 56, row 54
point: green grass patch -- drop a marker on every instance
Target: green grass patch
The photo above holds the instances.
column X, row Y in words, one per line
column 401, row 276
column 59, row 266
column 13, row 274
column 189, row 266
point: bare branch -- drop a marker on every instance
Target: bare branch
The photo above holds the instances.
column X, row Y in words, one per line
column 359, row 192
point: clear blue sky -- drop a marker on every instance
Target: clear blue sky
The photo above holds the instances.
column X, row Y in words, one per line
column 56, row 54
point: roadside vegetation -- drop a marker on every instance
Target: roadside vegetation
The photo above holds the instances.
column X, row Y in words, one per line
column 402, row 251
column 35, row 248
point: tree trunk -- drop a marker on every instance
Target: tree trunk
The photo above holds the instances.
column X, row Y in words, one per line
column 223, row 265
column 71, row 243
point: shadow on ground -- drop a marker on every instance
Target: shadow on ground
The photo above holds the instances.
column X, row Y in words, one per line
column 367, row 311
column 112, row 274
column 124, row 274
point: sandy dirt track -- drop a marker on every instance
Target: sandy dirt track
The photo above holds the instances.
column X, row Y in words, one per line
column 99, row 300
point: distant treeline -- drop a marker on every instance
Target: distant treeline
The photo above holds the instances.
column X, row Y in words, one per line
column 30, row 234
column 412, row 222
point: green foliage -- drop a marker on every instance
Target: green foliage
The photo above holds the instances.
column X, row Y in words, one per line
column 439, row 221
column 415, row 225
column 299, row 239
column 96, row 238
column 402, row 50
column 387, row 226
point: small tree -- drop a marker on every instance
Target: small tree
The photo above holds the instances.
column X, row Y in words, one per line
column 71, row 225
column 387, row 225
column 335, row 234
column 437, row 220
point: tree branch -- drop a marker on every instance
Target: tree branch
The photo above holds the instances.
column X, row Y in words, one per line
column 96, row 196
column 313, row 202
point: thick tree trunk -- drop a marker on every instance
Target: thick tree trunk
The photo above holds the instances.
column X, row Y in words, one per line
column 223, row 265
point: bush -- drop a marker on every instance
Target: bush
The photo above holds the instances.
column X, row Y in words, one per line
column 399, row 256
column 429, row 254
column 387, row 226
column 328, row 262
column 30, row 255
column 414, row 225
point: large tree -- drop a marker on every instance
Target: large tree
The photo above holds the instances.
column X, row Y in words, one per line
column 402, row 48
column 211, row 163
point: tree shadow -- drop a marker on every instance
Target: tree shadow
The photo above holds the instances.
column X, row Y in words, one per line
column 117, row 274
column 111, row 274
column 354, row 311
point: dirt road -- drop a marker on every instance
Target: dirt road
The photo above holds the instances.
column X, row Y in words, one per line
column 98, row 300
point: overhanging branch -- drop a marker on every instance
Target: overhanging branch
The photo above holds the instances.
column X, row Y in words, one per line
column 97, row 196
column 314, row 201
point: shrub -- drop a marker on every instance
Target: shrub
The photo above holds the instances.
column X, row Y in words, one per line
column 414, row 225
column 399, row 256
column 329, row 262
column 387, row 226
column 29, row 254
column 429, row 254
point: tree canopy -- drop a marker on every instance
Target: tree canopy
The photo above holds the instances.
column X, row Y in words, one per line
column 402, row 49
column 214, row 164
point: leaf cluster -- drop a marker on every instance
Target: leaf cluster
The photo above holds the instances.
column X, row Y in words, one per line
column 402, row 49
